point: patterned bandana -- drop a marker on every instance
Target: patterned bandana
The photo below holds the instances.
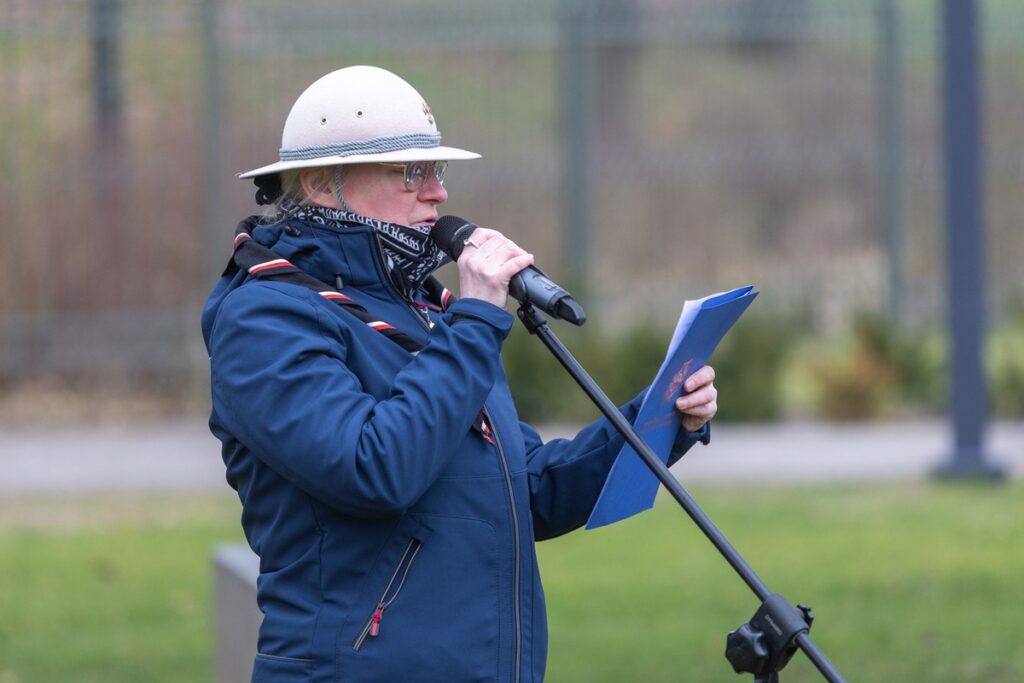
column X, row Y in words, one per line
column 409, row 253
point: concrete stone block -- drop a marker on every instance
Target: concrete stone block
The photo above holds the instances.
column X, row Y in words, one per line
column 237, row 618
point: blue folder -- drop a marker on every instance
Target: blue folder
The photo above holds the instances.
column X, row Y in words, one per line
column 631, row 487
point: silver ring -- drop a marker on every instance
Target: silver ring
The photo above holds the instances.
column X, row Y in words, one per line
column 468, row 242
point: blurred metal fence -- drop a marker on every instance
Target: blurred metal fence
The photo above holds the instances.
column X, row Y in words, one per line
column 648, row 150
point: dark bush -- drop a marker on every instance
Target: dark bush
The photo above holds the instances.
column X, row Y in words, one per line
column 749, row 366
column 883, row 371
column 542, row 388
column 1006, row 366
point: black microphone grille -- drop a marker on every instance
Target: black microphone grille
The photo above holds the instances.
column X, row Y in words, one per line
column 449, row 232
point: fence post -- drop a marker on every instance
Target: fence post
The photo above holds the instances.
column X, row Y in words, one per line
column 890, row 138
column 217, row 227
column 109, row 162
column 106, row 69
column 577, row 98
column 965, row 240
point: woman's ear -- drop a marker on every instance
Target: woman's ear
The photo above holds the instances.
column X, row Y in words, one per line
column 316, row 184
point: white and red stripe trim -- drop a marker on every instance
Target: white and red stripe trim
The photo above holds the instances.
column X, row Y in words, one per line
column 380, row 325
column 267, row 265
column 334, row 295
column 239, row 238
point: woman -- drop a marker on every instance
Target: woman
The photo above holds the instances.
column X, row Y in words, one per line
column 386, row 483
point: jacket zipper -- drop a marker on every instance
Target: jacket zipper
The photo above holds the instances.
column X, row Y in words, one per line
column 515, row 545
column 372, row 626
column 511, row 506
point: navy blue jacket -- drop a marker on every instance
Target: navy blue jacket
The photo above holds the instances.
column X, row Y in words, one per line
column 395, row 542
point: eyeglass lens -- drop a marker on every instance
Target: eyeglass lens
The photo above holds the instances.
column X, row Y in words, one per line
column 416, row 173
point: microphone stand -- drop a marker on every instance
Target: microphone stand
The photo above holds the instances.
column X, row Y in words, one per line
column 762, row 646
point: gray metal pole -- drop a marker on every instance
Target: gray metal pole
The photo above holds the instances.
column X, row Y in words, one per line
column 109, row 161
column 577, row 95
column 965, row 239
column 106, row 69
column 890, row 152
column 219, row 231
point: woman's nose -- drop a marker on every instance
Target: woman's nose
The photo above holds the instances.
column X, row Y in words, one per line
column 433, row 191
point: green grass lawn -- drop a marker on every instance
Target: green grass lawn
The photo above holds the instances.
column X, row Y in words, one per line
column 111, row 589
column 909, row 583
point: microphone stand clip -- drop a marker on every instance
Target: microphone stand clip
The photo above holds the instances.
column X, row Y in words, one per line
column 764, row 645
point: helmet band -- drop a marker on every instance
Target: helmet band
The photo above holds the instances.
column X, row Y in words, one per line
column 394, row 143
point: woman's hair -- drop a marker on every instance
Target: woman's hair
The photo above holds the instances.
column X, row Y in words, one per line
column 292, row 194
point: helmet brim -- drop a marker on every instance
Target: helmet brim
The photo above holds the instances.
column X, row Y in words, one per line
column 440, row 153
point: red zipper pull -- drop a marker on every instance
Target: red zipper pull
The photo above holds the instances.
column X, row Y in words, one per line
column 485, row 431
column 375, row 626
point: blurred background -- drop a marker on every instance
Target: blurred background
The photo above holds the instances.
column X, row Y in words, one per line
column 647, row 151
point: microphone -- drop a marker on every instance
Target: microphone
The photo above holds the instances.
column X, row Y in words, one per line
column 530, row 285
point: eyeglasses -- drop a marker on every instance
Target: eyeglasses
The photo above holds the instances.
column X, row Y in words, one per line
column 416, row 172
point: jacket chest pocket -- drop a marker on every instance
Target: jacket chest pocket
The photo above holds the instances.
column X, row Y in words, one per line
column 371, row 629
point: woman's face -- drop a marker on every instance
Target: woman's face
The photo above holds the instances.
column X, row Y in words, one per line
column 379, row 192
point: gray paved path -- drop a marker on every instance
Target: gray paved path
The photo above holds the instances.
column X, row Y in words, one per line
column 182, row 455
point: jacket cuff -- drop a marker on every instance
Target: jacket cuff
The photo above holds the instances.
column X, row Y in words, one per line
column 477, row 309
column 685, row 439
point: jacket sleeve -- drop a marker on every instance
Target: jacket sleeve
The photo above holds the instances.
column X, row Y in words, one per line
column 282, row 387
column 567, row 475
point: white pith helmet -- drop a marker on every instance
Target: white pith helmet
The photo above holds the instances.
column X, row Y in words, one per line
column 359, row 115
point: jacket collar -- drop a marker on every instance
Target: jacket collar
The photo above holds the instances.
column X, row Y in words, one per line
column 328, row 253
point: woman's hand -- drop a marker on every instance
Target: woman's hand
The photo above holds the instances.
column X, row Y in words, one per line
column 488, row 262
column 701, row 400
